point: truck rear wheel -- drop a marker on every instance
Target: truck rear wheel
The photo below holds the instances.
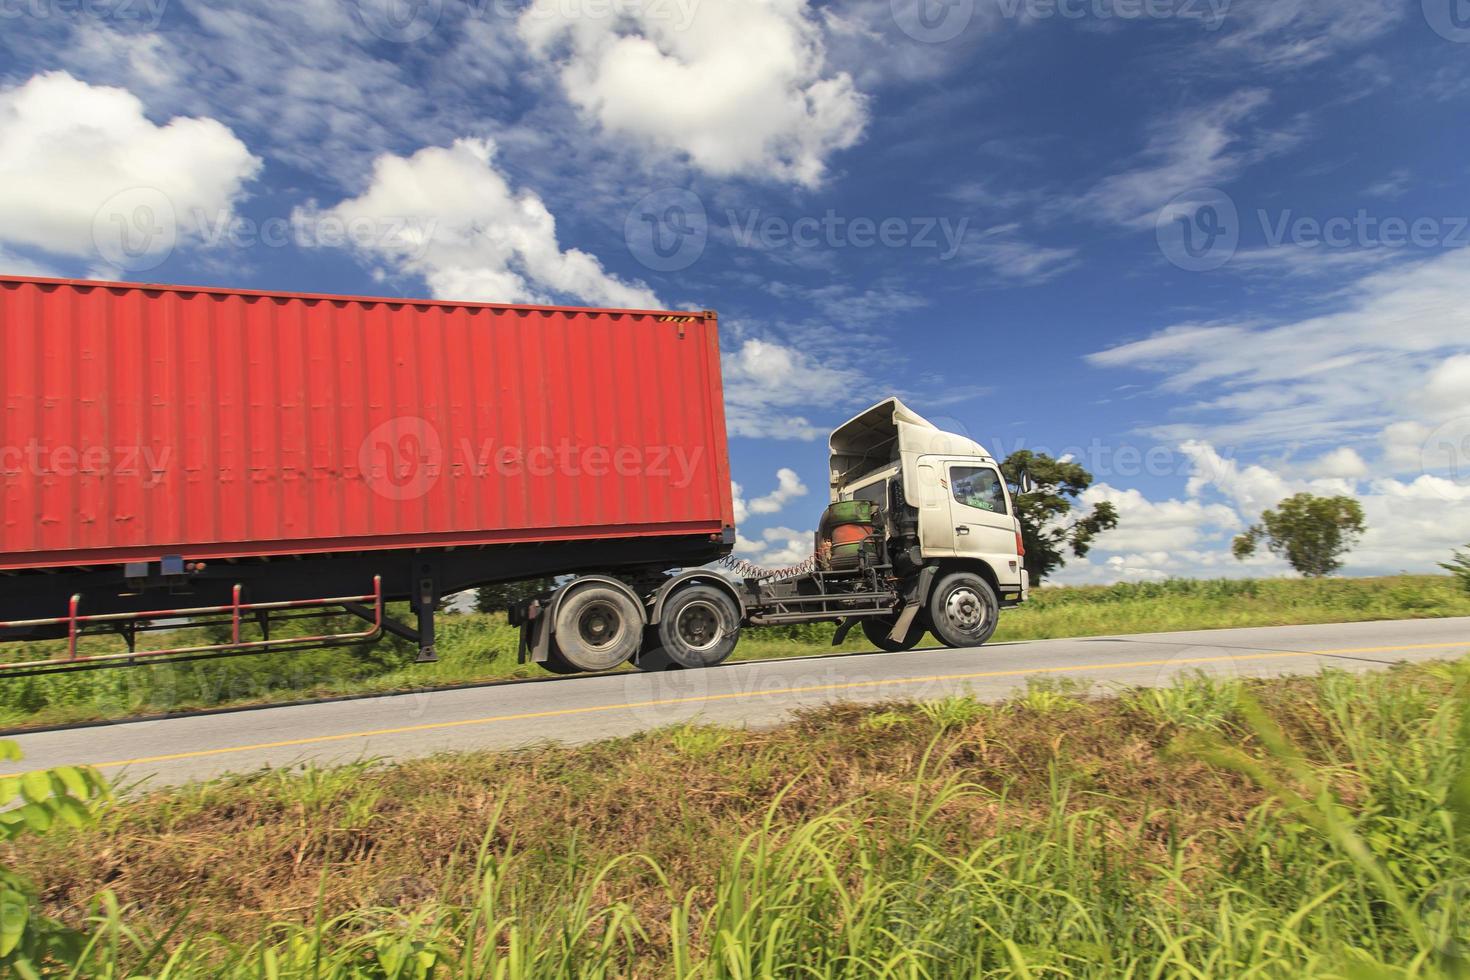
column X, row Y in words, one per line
column 963, row 610
column 597, row 628
column 876, row 629
column 699, row 627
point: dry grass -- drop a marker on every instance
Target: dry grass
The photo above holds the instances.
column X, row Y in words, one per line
column 232, row 855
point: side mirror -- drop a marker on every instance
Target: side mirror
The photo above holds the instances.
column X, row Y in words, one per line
column 1028, row 485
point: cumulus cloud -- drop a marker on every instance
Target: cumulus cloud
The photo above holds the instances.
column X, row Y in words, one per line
column 1386, row 364
column 777, row 547
column 738, row 88
column 447, row 214
column 1412, row 525
column 788, row 488
column 84, row 173
column 765, row 380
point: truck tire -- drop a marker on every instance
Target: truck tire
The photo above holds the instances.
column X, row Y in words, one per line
column 877, row 629
column 597, row 628
column 699, row 627
column 963, row 610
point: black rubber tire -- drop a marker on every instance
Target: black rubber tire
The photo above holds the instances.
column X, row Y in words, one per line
column 699, row 627
column 652, row 657
column 556, row 664
column 963, row 610
column 598, row 627
column 876, row 629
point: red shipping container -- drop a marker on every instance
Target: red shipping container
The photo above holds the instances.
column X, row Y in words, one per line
column 143, row 421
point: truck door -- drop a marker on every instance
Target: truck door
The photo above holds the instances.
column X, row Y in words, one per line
column 981, row 513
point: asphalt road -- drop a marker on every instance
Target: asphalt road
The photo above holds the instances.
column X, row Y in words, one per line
column 580, row 709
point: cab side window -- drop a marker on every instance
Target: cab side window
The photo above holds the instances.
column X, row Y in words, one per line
column 979, row 487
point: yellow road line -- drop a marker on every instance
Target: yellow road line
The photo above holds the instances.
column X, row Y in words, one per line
column 775, row 692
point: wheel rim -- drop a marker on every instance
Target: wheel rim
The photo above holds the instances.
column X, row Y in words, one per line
column 699, row 626
column 600, row 626
column 966, row 611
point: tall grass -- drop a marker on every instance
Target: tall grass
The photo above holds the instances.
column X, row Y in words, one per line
column 1337, row 843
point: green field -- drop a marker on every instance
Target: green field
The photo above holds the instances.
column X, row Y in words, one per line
column 475, row 648
column 1305, row 827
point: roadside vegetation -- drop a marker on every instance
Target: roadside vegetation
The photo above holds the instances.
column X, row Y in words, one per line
column 476, row 648
column 1303, row 827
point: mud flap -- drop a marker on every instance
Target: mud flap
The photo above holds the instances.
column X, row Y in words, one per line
column 843, row 629
column 913, row 605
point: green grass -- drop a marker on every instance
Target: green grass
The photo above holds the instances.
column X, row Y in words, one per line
column 476, row 648
column 1311, row 827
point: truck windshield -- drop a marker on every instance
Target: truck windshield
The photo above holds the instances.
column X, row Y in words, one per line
column 979, row 487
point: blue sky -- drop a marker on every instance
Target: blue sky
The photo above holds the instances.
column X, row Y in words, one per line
column 1213, row 248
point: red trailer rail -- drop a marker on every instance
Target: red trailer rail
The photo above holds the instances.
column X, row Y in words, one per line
column 164, row 441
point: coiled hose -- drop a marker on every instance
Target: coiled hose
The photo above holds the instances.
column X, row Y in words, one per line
column 748, row 569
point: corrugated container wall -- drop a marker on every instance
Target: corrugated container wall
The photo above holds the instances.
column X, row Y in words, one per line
column 144, row 421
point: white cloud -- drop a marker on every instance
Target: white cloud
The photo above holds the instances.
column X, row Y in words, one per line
column 740, row 88
column 765, row 380
column 999, row 250
column 1341, row 463
column 448, row 215
column 1412, row 525
column 777, row 547
column 1146, row 525
column 18, row 265
column 1285, row 34
column 1200, row 147
column 1392, row 352
column 788, row 488
column 74, row 156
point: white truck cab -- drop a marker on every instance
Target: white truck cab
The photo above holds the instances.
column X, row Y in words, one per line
column 897, row 458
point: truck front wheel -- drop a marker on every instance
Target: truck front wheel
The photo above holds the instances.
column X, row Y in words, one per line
column 597, row 628
column 963, row 610
column 699, row 627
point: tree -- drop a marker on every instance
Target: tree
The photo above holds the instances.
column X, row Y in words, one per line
column 502, row 595
column 1459, row 567
column 1312, row 533
column 1043, row 512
